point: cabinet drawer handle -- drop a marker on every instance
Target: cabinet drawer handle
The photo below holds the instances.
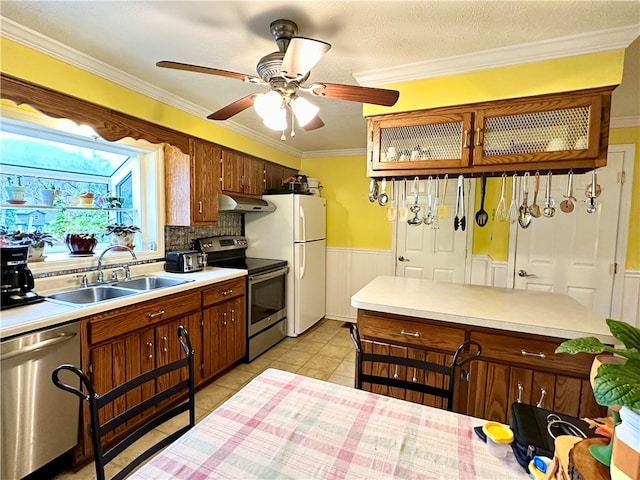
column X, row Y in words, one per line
column 543, row 392
column 524, row 353
column 478, row 136
column 467, row 134
column 412, row 334
column 227, row 292
column 150, row 349
column 157, row 314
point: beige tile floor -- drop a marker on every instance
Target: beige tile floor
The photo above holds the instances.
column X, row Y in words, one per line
column 324, row 352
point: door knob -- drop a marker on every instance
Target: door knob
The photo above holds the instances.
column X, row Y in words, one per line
column 402, row 259
column 523, row 273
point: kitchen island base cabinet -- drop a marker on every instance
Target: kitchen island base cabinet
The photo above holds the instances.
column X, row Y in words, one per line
column 512, row 367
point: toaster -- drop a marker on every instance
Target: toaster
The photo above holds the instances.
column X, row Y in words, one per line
column 185, row 261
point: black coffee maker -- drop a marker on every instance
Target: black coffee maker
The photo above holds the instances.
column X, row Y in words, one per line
column 17, row 279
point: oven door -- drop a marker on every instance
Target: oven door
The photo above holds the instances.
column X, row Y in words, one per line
column 267, row 302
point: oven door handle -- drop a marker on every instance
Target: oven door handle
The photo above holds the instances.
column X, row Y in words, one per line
column 269, row 275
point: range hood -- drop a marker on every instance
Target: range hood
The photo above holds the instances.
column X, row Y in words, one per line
column 236, row 203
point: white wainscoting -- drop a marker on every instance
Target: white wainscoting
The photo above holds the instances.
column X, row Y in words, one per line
column 348, row 270
column 631, row 298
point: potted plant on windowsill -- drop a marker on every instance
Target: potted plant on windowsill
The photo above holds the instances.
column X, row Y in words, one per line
column 15, row 190
column 616, row 384
column 121, row 234
column 47, row 192
column 36, row 241
column 79, row 230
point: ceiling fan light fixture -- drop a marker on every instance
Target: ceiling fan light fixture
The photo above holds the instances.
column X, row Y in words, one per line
column 304, row 110
column 266, row 104
column 276, row 119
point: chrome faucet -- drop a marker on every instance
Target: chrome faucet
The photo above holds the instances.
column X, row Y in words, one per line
column 119, row 247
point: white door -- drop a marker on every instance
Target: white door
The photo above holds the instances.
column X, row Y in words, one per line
column 573, row 253
column 429, row 253
column 310, row 213
column 309, row 285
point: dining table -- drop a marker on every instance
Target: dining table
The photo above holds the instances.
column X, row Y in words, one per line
column 285, row 425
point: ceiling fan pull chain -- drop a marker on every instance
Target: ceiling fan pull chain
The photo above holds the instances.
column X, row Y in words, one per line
column 293, row 125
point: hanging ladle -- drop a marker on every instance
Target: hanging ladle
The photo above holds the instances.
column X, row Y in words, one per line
column 373, row 190
column 415, row 208
column 383, row 198
column 524, row 217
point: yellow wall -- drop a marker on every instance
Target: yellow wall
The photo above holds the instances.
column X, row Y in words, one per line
column 538, row 78
column 352, row 220
column 23, row 62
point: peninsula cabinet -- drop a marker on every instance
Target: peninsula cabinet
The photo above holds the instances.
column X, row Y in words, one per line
column 126, row 342
column 191, row 184
column 519, row 367
column 558, row 132
column 512, row 367
column 224, row 325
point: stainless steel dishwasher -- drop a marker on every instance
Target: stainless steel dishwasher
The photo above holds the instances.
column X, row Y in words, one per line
column 39, row 421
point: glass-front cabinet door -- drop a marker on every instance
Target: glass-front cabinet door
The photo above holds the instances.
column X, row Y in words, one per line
column 551, row 130
column 421, row 142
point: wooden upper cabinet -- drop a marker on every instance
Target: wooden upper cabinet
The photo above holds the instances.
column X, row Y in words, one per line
column 559, row 132
column 274, row 174
column 191, row 184
column 240, row 173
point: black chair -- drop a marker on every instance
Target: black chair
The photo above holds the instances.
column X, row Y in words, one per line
column 156, row 409
column 414, row 385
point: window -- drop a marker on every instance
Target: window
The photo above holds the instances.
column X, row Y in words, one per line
column 94, row 180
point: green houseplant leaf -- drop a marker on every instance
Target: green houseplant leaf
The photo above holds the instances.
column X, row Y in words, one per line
column 614, row 384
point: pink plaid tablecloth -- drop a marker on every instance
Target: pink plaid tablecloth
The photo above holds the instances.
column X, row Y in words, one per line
column 283, row 425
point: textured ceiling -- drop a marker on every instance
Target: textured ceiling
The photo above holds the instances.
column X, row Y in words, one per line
column 132, row 36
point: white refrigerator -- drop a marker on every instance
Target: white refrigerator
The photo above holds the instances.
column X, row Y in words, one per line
column 296, row 232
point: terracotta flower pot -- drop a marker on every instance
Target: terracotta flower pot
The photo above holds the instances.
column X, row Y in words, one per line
column 80, row 244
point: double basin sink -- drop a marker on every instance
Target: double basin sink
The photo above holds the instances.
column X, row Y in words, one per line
column 109, row 291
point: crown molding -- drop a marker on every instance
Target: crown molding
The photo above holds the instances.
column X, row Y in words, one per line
column 347, row 152
column 623, row 122
column 592, row 42
column 40, row 43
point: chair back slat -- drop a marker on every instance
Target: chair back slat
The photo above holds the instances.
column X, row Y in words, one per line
column 155, row 410
column 416, row 369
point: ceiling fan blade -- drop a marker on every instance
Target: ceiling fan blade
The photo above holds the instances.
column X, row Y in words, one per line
column 315, row 123
column 354, row 93
column 301, row 56
column 232, row 109
column 199, row 69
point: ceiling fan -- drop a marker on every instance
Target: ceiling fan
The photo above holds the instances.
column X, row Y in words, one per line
column 285, row 72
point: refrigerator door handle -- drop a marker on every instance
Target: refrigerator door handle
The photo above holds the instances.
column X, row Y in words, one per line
column 303, row 225
column 303, row 259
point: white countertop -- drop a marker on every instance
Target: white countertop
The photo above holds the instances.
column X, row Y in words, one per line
column 524, row 311
column 19, row 320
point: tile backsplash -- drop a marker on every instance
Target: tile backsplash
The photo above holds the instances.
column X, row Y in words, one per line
column 181, row 238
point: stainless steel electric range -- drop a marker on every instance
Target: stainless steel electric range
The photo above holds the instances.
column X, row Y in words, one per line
column 266, row 290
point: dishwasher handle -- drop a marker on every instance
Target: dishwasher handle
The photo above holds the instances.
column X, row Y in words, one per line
column 60, row 338
column 83, row 379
